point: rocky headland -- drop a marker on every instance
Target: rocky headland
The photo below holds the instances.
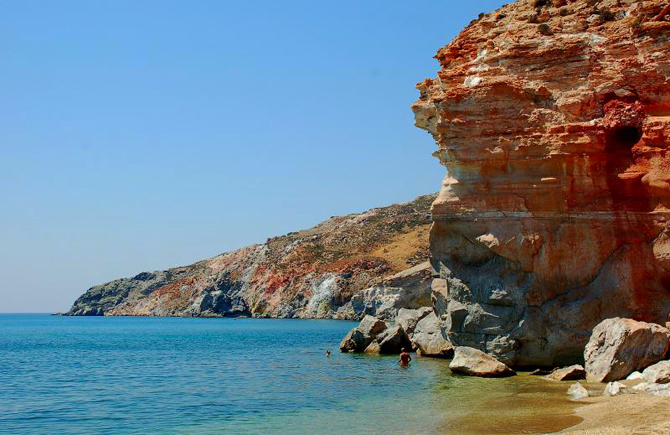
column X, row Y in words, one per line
column 553, row 121
column 344, row 268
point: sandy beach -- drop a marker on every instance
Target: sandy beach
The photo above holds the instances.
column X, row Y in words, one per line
column 625, row 414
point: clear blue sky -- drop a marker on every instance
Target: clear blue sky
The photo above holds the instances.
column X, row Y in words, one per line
column 142, row 135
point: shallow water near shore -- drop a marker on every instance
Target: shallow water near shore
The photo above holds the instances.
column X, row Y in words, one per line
column 251, row 376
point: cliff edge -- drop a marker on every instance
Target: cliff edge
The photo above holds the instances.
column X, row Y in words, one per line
column 553, row 121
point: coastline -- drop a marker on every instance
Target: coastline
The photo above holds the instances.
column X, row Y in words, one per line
column 445, row 403
column 156, row 316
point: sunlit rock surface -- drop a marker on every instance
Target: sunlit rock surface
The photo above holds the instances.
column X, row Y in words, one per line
column 553, row 124
column 346, row 267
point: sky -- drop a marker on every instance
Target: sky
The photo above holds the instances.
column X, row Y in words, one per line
column 143, row 135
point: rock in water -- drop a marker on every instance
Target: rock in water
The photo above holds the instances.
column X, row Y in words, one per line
column 371, row 327
column 408, row 318
column 474, row 362
column 618, row 347
column 572, row 373
column 360, row 337
column 578, row 391
column 658, row 373
column 554, row 211
column 615, row 388
column 428, row 339
column 354, row 341
column 635, row 376
column 391, row 341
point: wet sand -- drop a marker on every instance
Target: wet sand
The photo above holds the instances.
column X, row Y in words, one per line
column 532, row 405
column 520, row 404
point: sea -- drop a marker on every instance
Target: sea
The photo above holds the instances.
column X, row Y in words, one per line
column 149, row 375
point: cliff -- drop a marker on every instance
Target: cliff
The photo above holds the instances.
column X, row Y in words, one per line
column 345, row 267
column 553, row 121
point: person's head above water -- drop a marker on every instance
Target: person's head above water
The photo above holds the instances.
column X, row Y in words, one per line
column 403, row 350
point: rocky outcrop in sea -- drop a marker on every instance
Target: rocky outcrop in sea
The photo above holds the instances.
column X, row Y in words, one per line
column 553, row 121
column 344, row 268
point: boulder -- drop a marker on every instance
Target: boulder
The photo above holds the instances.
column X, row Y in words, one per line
column 354, row 341
column 615, row 388
column 391, row 341
column 360, row 337
column 428, row 339
column 635, row 376
column 371, row 326
column 474, row 362
column 653, row 389
column 658, row 373
column 408, row 318
column 373, row 347
column 571, row 373
column 618, row 347
column 578, row 391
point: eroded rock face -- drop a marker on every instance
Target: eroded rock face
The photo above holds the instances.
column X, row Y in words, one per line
column 409, row 289
column 553, row 214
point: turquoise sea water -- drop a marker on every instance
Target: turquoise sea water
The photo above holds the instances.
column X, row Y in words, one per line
column 257, row 376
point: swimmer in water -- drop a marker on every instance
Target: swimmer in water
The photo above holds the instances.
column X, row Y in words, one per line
column 404, row 358
column 328, row 353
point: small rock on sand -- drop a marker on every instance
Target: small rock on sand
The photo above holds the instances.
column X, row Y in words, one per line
column 578, row 391
column 653, row 389
column 615, row 388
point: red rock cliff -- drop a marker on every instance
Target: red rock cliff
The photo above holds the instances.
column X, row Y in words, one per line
column 553, row 121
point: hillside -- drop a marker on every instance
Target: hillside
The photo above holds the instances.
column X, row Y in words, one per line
column 312, row 273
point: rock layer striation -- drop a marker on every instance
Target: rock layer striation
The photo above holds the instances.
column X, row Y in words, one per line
column 553, row 121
